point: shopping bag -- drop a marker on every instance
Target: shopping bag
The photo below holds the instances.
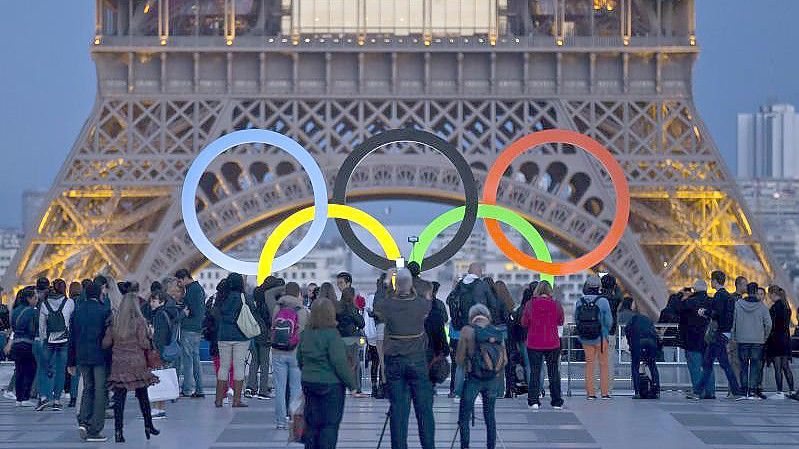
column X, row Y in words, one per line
column 297, row 430
column 167, row 387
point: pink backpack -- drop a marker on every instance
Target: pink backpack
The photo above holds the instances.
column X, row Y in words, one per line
column 286, row 329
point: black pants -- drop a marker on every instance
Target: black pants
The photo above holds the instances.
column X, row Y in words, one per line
column 120, row 395
column 453, row 343
column 25, row 366
column 646, row 353
column 324, row 408
column 373, row 361
column 552, row 358
column 782, row 365
column 94, row 399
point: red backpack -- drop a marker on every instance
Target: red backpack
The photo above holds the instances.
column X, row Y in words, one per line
column 286, row 329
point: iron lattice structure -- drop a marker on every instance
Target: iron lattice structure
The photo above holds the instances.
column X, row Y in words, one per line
column 167, row 86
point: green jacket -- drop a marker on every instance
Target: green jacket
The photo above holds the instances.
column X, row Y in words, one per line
column 323, row 358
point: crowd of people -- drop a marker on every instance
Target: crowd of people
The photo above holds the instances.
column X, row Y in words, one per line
column 109, row 337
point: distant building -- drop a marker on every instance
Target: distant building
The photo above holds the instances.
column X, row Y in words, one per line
column 768, row 143
column 10, row 241
column 32, row 203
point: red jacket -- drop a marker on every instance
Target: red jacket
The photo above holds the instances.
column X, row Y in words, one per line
column 542, row 316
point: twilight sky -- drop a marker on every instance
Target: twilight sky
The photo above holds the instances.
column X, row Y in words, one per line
column 750, row 55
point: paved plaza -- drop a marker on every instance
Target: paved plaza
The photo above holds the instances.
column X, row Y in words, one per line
column 620, row 423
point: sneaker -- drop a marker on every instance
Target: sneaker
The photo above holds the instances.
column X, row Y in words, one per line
column 691, row 397
column 759, row 396
column 590, row 398
column 794, row 396
column 778, row 396
column 10, row 395
column 82, row 431
column 56, row 407
column 43, row 405
column 606, row 397
column 197, row 395
column 158, row 413
column 72, row 402
column 96, row 438
column 533, row 406
column 741, row 397
column 262, row 397
column 28, row 403
column 281, row 427
column 456, row 400
column 248, row 393
column 557, row 407
column 451, row 396
column 230, row 392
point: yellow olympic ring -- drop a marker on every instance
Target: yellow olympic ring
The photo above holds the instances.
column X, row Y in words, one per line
column 303, row 216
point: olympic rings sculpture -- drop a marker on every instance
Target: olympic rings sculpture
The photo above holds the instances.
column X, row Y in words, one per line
column 465, row 215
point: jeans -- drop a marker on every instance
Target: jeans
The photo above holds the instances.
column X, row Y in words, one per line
column 25, row 366
column 190, row 343
column 750, row 356
column 74, row 380
column 259, row 362
column 453, row 345
column 592, row 353
column 646, row 353
column 487, row 389
column 38, row 383
column 55, row 361
column 717, row 350
column 694, row 359
column 354, row 362
column 95, row 398
column 324, row 408
column 408, row 381
column 287, row 372
column 552, row 358
column 526, row 358
column 235, row 351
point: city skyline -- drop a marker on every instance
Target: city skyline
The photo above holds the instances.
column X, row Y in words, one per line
column 722, row 36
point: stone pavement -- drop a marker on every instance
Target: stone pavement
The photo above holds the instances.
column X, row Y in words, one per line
column 619, row 423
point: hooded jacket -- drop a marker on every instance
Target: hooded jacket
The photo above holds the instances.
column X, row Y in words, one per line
column 482, row 294
column 542, row 316
column 302, row 315
column 54, row 300
column 752, row 321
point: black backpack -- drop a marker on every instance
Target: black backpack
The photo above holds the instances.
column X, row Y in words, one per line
column 459, row 302
column 489, row 358
column 589, row 326
column 56, row 324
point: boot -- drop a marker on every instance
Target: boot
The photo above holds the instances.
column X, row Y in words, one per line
column 221, row 392
column 237, row 387
column 146, row 413
column 118, row 437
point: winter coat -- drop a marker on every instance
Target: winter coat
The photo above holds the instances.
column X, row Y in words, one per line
column 722, row 310
column 693, row 325
column 165, row 322
column 482, row 294
column 195, row 303
column 24, row 322
column 752, row 321
column 88, row 326
column 226, row 315
column 542, row 316
column 640, row 332
column 434, row 327
column 322, row 357
column 779, row 341
column 350, row 321
column 128, row 359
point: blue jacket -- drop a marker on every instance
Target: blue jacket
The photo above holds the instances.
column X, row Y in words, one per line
column 24, row 321
column 605, row 316
column 163, row 317
column 87, row 329
column 225, row 314
column 195, row 302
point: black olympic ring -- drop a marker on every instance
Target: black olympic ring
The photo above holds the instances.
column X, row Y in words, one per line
column 422, row 137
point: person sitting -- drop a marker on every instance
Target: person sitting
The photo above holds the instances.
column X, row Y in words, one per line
column 322, row 359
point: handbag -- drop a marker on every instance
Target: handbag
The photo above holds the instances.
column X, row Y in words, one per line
column 167, row 387
column 152, row 358
column 246, row 322
column 439, row 369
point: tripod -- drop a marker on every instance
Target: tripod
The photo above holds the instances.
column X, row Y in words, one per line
column 458, row 429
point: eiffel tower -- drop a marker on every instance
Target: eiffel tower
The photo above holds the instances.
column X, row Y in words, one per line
column 175, row 74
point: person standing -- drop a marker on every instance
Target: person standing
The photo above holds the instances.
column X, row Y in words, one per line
column 692, row 338
column 191, row 327
column 54, row 315
column 721, row 312
column 482, row 355
column 732, row 347
column 350, row 327
column 289, row 320
column 750, row 329
column 129, row 340
column 24, row 324
column 89, row 322
column 594, row 319
column 541, row 318
column 259, row 350
column 404, row 313
column 778, row 345
column 233, row 344
column 375, row 335
column 322, row 358
column 642, row 339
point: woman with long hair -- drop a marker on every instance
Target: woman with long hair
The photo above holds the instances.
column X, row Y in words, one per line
column 778, row 344
column 114, row 295
column 328, row 291
column 129, row 340
column 233, row 344
column 322, row 358
column 350, row 327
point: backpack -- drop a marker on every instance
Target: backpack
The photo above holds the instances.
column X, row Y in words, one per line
column 285, row 329
column 589, row 326
column 56, row 324
column 172, row 349
column 489, row 358
column 459, row 302
column 646, row 388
